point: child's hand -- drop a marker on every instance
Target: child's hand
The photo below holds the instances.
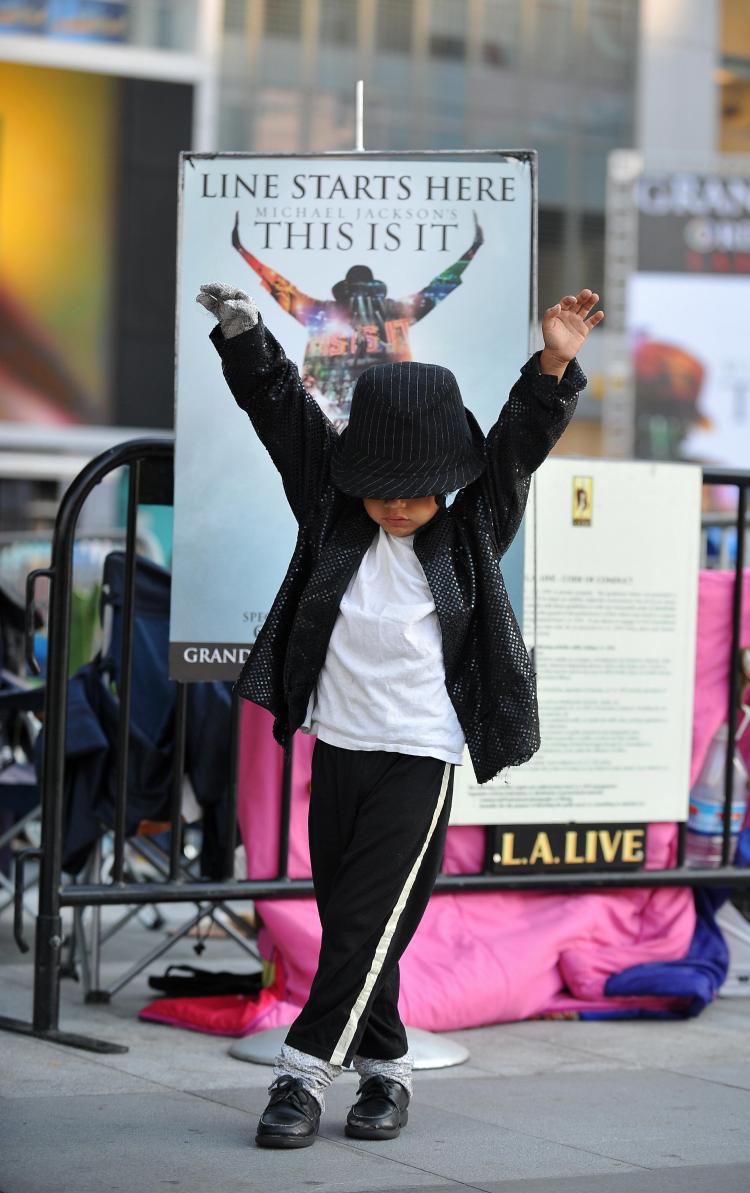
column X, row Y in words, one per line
column 565, row 327
column 235, row 310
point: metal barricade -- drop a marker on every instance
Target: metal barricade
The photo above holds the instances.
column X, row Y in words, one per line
column 150, row 465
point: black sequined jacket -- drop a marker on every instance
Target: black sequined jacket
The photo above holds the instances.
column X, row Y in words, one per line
column 488, row 673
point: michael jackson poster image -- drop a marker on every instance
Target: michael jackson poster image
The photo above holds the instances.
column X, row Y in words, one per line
column 354, row 260
column 361, row 324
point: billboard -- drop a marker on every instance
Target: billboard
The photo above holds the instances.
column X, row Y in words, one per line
column 354, row 259
column 58, row 202
column 679, row 248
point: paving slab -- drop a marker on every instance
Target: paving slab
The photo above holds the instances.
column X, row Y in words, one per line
column 637, row 1039
column 467, row 1149
column 651, row 1118
column 32, row 1067
column 143, row 1143
column 452, row 1145
column 737, row 1076
column 165, row 1055
column 503, row 1052
column 727, row 1178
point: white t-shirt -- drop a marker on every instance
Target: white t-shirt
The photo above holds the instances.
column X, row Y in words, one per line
column 382, row 685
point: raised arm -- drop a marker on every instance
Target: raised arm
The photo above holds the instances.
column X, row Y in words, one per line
column 539, row 408
column 425, row 300
column 292, row 300
column 266, row 385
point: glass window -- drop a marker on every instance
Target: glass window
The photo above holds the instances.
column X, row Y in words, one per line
column 735, row 29
column 588, row 245
column 338, row 22
column 395, row 25
column 554, row 36
column 501, row 33
column 734, row 134
column 733, row 78
column 611, row 40
column 592, row 251
column 284, row 18
column 233, row 127
column 393, row 76
column 448, row 29
column 277, row 117
column 235, row 14
column 160, row 24
column 444, row 45
column 551, row 252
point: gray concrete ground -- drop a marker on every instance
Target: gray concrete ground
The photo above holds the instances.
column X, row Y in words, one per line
column 540, row 1107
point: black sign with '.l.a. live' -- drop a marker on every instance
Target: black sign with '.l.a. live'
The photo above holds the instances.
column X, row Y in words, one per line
column 567, row 847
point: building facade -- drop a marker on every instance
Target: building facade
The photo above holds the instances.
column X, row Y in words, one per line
column 572, row 79
column 557, row 76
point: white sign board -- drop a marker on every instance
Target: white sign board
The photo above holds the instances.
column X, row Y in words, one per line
column 615, row 596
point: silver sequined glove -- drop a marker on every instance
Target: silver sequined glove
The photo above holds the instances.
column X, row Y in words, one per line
column 235, row 310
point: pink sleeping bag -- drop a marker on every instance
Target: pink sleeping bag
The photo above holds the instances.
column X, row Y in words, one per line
column 480, row 958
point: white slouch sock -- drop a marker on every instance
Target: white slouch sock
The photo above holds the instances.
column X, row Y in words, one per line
column 315, row 1074
column 399, row 1069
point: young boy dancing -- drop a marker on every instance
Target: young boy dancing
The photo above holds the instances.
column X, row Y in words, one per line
column 392, row 639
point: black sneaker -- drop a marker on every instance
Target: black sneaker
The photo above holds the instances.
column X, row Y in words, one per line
column 380, row 1110
column 292, row 1116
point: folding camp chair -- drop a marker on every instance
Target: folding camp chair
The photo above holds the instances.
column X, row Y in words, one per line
column 20, row 702
column 152, row 700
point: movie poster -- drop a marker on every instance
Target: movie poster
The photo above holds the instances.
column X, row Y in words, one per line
column 686, row 316
column 354, row 259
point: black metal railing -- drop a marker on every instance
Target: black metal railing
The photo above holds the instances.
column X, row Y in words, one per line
column 150, row 466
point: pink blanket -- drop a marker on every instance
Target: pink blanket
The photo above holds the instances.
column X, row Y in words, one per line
column 481, row 958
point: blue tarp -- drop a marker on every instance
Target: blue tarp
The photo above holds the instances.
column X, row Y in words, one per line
column 696, row 977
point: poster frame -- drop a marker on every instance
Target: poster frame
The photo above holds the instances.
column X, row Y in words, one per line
column 189, row 159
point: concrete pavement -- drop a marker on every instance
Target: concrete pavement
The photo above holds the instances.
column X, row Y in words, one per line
column 617, row 1107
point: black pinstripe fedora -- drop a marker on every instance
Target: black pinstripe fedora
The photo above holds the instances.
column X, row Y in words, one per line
column 409, row 435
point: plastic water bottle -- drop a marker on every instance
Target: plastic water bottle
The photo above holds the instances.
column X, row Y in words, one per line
column 705, row 827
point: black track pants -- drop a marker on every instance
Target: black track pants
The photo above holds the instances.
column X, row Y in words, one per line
column 377, row 828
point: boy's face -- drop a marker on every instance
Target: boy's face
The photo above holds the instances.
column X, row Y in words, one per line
column 401, row 515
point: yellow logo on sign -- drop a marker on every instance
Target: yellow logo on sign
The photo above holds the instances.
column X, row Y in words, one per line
column 583, row 500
